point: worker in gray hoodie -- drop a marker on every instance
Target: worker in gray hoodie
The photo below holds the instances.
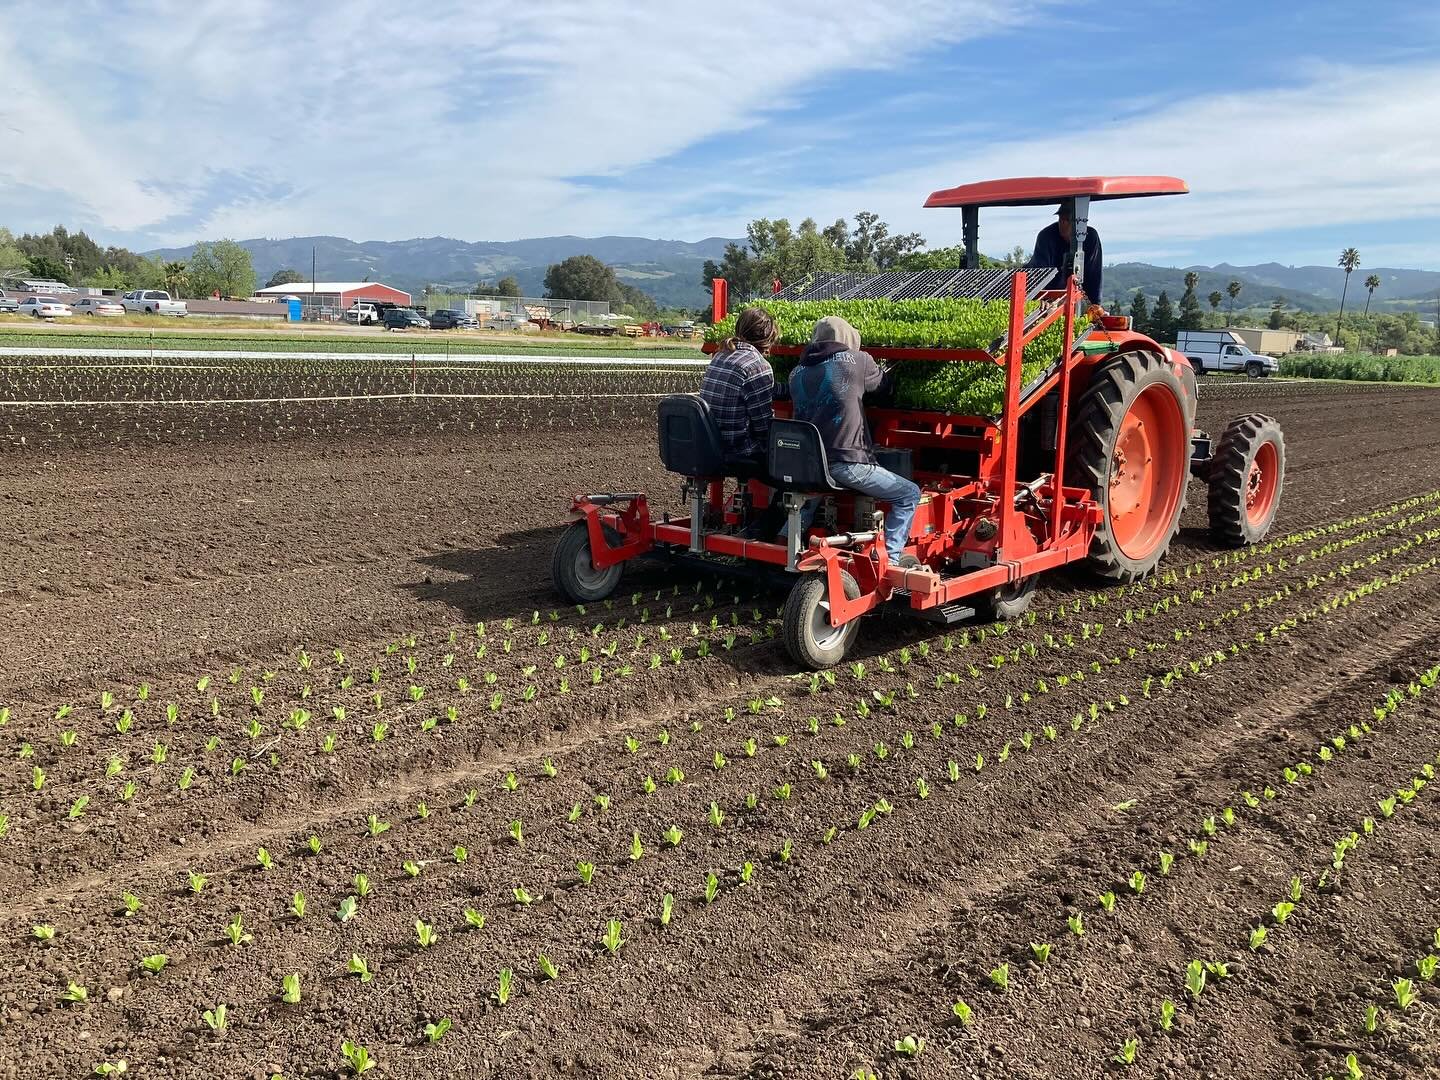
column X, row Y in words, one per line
column 827, row 387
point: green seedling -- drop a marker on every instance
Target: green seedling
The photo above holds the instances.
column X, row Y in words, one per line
column 517, row 832
column 1167, row 1014
column 1107, row 901
column 547, row 967
column 1195, row 979
column 357, row 1057
column 290, row 989
column 1137, row 882
column 522, row 897
column 1426, row 967
column 474, row 919
column 1406, row 993
column 611, row 939
column 1166, row 861
column 215, row 1018
column 667, row 909
column 348, row 907
column 1041, row 950
column 712, row 887
column 1076, row 923
column 361, row 884
column 637, row 849
column 436, row 1031
column 909, row 1046
column 425, row 934
column 1282, row 911
column 235, row 931
column 502, row 993
column 196, row 881
column 1371, row 1018
column 586, row 871
column 358, row 965
column 411, row 868
column 375, row 826
column 112, row 1068
column 1128, row 1050
column 673, row 835
column 1000, row 976
column 963, row 1013
column 154, row 963
column 1257, row 938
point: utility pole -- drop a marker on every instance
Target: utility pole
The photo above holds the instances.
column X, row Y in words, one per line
column 314, row 313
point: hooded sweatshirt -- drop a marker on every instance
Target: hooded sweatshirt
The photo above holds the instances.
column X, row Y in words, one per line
column 827, row 387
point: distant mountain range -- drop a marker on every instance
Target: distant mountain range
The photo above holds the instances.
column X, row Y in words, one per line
column 670, row 270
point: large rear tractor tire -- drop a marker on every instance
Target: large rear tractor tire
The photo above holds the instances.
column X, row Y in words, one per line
column 805, row 623
column 1129, row 443
column 1247, row 475
column 573, row 572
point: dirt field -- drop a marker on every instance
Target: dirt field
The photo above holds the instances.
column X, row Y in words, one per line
column 852, row 858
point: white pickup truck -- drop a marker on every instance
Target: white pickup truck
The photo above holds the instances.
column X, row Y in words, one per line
column 1221, row 350
column 153, row 302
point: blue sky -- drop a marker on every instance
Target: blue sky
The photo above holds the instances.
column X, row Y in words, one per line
column 1301, row 127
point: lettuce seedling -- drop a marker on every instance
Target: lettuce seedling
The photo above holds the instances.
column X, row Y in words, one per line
column 909, row 1046
column 74, row 994
column 712, row 887
column 1282, row 911
column 1371, row 1018
column 154, row 963
column 1128, row 1050
column 502, row 993
column 522, row 897
column 235, row 931
column 348, row 907
column 1195, row 979
column 357, row 1057
column 1167, row 1014
column 611, row 939
column 1426, row 966
column 1297, row 888
column 43, row 933
column 131, row 903
column 962, row 1012
column 1166, row 861
column 425, row 934
column 313, row 844
column 290, row 989
column 112, row 1068
column 358, row 965
column 673, row 835
column 1257, row 938
column 1041, row 950
column 196, row 881
column 361, row 884
column 574, row 815
column 1000, row 976
column 375, row 826
column 77, row 808
column 297, row 904
column 922, row 789
column 1107, row 901
column 1076, row 923
column 474, row 919
column 1406, row 993
column 637, row 849
column 215, row 1018
column 1137, row 882
column 717, row 816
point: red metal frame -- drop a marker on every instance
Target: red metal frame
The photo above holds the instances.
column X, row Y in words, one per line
column 1040, row 190
column 960, row 515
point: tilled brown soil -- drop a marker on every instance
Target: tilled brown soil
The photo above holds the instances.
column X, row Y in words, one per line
column 852, row 858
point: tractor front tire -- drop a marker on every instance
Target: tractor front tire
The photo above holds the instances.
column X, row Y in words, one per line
column 805, row 623
column 1006, row 603
column 573, row 572
column 1247, row 475
column 1129, row 444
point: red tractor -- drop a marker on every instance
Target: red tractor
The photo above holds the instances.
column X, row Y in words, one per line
column 1088, row 463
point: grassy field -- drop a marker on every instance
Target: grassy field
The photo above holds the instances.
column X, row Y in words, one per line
column 293, row 337
column 1360, row 367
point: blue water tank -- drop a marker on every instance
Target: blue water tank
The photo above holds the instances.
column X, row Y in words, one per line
column 294, row 304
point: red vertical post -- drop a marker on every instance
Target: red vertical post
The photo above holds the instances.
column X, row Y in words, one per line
column 1062, row 416
column 719, row 299
column 1009, row 421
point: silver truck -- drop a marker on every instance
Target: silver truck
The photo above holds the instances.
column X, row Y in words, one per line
column 153, row 302
column 1222, row 350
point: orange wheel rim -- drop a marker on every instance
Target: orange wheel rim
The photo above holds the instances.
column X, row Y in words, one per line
column 1260, row 483
column 1147, row 472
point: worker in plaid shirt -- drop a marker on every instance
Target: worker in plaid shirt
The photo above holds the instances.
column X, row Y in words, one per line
column 738, row 388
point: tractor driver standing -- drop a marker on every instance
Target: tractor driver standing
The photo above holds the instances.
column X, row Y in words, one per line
column 1052, row 250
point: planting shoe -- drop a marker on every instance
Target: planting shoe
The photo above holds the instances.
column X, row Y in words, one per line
column 908, row 562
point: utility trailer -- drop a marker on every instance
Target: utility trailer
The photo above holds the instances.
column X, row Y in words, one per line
column 1088, row 463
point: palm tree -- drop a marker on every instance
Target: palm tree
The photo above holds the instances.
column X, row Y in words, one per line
column 1233, row 289
column 1349, row 262
column 1215, row 298
column 1371, row 284
column 1191, row 280
column 174, row 275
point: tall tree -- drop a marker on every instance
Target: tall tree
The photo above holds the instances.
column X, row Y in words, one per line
column 286, row 276
column 1191, row 316
column 222, row 266
column 1215, row 299
column 13, row 262
column 581, row 277
column 1139, row 314
column 1277, row 313
column 1349, row 262
column 1371, row 284
column 1233, row 291
column 43, row 266
column 1162, row 319
column 174, row 277
column 508, row 286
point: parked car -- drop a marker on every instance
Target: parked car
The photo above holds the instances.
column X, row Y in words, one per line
column 1221, row 350
column 44, row 307
column 368, row 312
column 402, row 318
column 98, row 305
column 153, row 302
column 452, row 319
column 8, row 303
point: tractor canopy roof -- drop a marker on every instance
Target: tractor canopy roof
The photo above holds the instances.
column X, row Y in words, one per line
column 1040, row 190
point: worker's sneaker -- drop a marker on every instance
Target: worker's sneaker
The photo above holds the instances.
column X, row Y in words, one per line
column 908, row 562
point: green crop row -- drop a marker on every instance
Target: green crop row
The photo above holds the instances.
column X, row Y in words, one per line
column 1362, row 368
column 964, row 388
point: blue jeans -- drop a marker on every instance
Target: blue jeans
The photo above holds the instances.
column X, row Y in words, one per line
column 902, row 495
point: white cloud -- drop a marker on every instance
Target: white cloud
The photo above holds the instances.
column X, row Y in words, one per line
column 460, row 117
column 1344, row 148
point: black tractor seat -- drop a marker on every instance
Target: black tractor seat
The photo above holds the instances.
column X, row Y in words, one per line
column 797, row 460
column 689, row 439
